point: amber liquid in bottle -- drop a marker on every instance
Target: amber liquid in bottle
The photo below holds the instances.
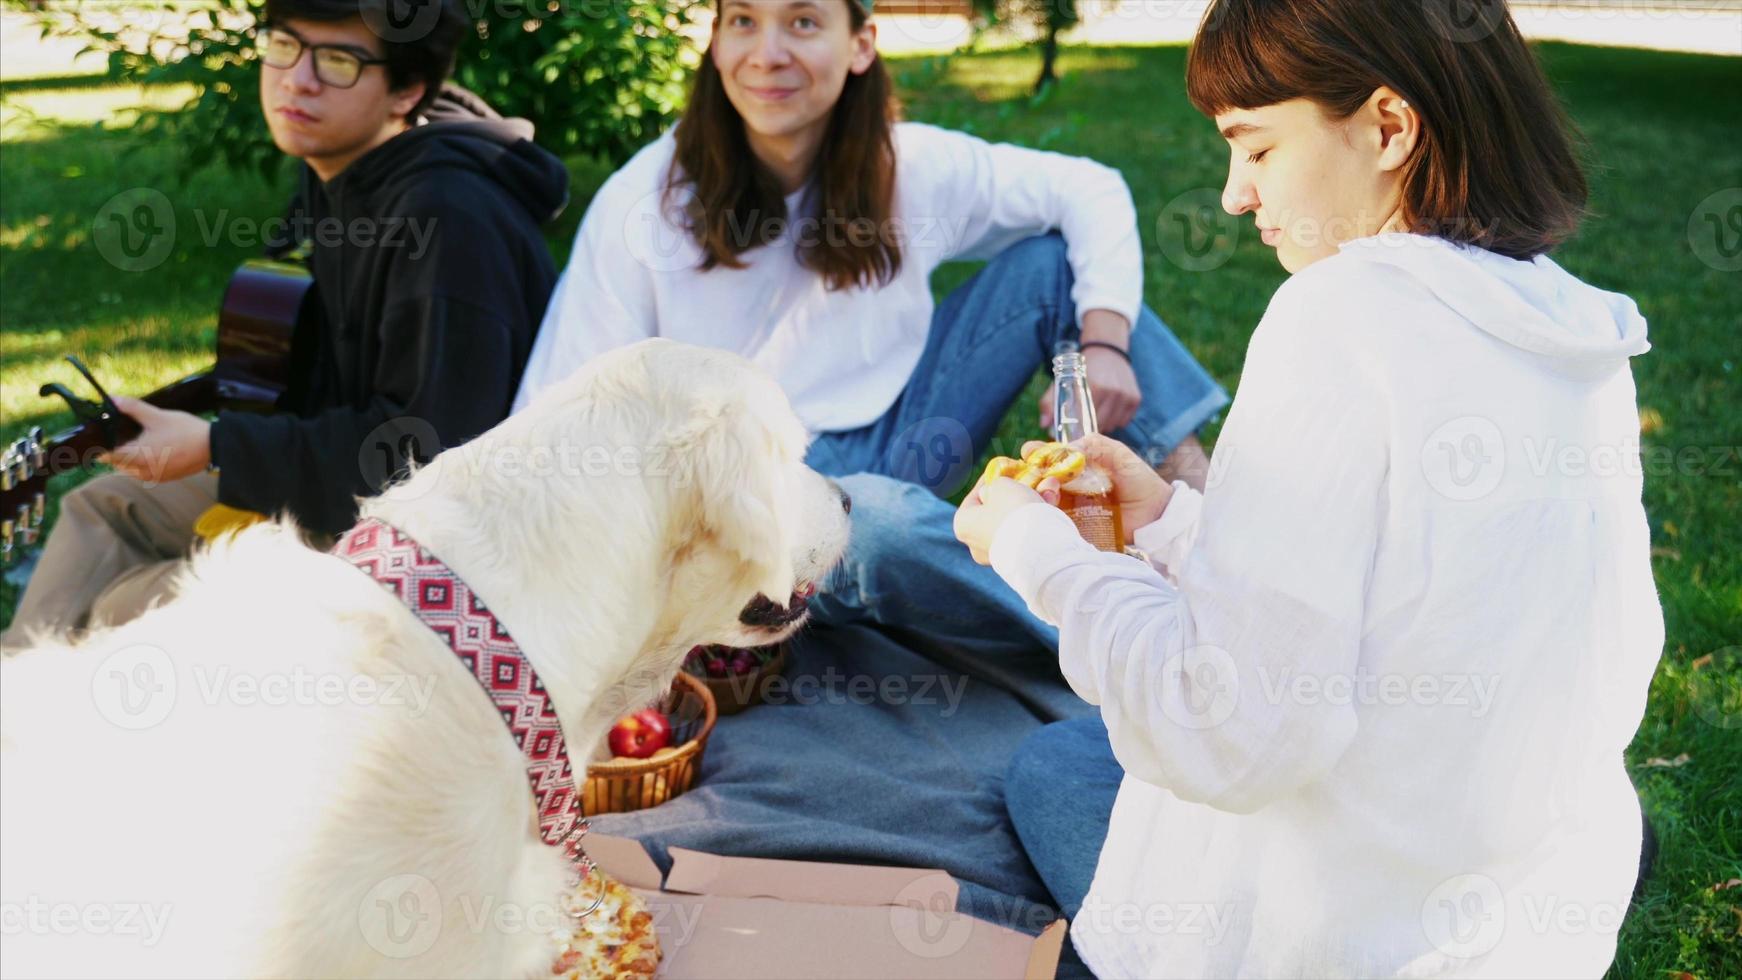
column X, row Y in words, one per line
column 1088, row 500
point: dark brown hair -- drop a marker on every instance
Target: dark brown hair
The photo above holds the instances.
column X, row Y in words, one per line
column 422, row 54
column 737, row 203
column 1495, row 165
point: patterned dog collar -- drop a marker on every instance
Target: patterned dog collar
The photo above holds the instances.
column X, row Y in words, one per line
column 445, row 604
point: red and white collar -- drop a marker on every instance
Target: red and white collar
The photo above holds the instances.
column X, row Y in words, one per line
column 445, row 604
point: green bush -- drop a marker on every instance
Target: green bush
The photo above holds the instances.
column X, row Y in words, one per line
column 599, row 77
column 596, row 77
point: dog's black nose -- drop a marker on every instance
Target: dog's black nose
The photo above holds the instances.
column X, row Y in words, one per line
column 768, row 614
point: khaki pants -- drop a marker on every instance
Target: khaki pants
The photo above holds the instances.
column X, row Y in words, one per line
column 111, row 553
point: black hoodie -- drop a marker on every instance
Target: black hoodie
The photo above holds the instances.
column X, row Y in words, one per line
column 431, row 279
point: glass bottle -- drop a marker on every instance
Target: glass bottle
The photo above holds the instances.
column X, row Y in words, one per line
column 1088, row 499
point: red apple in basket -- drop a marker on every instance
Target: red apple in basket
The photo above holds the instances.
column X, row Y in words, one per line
column 641, row 734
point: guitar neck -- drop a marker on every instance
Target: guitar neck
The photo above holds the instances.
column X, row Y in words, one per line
column 80, row 445
column 255, row 326
column 196, row 393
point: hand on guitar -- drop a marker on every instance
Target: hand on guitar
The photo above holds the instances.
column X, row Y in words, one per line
column 173, row 444
column 255, row 326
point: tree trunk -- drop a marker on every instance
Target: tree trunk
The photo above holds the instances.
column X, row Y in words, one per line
column 1049, row 58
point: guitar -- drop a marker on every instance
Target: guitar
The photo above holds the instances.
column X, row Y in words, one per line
column 255, row 323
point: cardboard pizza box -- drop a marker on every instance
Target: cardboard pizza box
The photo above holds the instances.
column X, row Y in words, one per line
column 723, row 918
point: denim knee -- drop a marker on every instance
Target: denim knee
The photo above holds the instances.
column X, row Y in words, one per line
column 1030, row 772
column 1073, row 748
column 1046, row 249
column 1034, row 257
column 884, row 510
column 882, row 501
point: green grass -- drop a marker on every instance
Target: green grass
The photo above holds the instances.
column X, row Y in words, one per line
column 1662, row 139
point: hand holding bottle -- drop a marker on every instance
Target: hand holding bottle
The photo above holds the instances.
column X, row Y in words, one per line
column 1140, row 491
column 1112, row 380
column 1115, row 389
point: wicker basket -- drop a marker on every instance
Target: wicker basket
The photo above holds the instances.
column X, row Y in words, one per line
column 620, row 785
column 739, row 691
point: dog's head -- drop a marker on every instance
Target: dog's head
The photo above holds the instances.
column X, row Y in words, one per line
column 656, row 500
column 758, row 518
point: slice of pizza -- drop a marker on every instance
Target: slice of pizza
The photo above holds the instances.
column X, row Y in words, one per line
column 615, row 939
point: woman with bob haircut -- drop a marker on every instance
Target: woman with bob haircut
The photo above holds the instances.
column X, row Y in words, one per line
column 1363, row 711
column 791, row 217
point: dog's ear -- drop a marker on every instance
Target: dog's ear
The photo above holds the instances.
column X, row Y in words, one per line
column 741, row 472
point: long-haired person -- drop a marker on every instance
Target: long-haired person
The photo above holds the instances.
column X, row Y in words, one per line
column 789, row 216
column 1370, row 696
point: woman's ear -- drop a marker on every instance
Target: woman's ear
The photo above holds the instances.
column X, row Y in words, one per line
column 864, row 47
column 1398, row 124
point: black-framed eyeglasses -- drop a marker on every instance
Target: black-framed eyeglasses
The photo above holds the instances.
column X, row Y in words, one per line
column 335, row 64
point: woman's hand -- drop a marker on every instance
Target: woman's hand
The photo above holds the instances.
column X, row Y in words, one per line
column 1113, row 385
column 1112, row 382
column 1141, row 492
column 986, row 508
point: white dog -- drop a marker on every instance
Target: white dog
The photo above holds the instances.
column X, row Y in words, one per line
column 283, row 772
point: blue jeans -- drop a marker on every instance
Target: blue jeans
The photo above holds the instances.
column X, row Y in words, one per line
column 1060, row 791
column 904, row 567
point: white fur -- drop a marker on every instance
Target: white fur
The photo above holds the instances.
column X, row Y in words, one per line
column 390, row 831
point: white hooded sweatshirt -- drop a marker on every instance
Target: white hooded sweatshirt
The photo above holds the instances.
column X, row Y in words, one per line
column 1372, row 693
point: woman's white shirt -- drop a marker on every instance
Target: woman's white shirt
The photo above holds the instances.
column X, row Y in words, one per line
column 841, row 356
column 1372, row 694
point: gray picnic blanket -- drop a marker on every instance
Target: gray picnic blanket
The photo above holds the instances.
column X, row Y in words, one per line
column 882, row 749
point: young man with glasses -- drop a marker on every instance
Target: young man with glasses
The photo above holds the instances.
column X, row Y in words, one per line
column 419, row 209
